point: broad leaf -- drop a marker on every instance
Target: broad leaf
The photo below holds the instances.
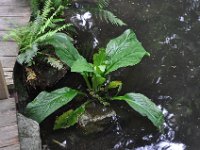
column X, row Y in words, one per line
column 46, row 103
column 69, row 118
column 124, row 51
column 64, row 47
column 57, row 39
column 99, row 58
column 145, row 107
column 114, row 84
column 81, row 65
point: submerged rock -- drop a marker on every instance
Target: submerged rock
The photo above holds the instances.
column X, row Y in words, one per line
column 96, row 118
column 29, row 133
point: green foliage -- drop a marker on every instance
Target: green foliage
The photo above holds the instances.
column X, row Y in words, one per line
column 106, row 15
column 109, row 17
column 114, row 84
column 65, row 50
column 28, row 55
column 47, row 103
column 102, row 3
column 69, row 118
column 144, row 106
column 81, row 65
column 64, row 3
column 36, row 5
column 99, row 58
column 122, row 51
column 55, row 63
column 36, row 33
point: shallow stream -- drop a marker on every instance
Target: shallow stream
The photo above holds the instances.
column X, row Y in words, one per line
column 170, row 31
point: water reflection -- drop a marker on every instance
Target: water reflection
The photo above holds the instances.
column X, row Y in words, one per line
column 169, row 30
column 164, row 145
column 165, row 141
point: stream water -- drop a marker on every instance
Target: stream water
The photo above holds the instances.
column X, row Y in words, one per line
column 170, row 31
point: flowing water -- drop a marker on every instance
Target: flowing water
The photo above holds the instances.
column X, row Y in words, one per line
column 170, row 31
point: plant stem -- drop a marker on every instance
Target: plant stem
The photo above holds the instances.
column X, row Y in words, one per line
column 87, row 81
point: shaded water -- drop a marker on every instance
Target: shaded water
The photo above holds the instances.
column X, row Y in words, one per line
column 170, row 31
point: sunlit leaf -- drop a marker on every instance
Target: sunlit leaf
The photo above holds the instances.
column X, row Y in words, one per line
column 65, row 49
column 114, row 84
column 97, row 81
column 46, row 103
column 81, row 65
column 69, row 118
column 124, row 51
column 145, row 107
column 99, row 58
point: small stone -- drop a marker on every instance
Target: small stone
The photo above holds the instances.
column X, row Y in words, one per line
column 29, row 133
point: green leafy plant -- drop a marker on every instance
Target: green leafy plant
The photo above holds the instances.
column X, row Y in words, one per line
column 43, row 31
column 100, row 12
column 36, row 5
column 122, row 51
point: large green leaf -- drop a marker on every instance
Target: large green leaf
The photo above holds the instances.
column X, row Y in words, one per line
column 69, row 118
column 144, row 106
column 64, row 47
column 124, row 51
column 46, row 103
column 81, row 65
column 99, row 58
column 56, row 39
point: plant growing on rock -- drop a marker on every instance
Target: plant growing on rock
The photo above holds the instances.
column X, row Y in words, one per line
column 42, row 31
column 37, row 42
column 122, row 51
column 39, row 39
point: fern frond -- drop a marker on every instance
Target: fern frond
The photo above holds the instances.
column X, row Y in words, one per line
column 49, row 21
column 109, row 17
column 47, row 9
column 102, row 3
column 49, row 34
column 27, row 57
column 38, row 32
column 34, row 4
column 56, row 63
column 64, row 3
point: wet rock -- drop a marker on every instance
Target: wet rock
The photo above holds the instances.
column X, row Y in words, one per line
column 29, row 133
column 96, row 118
column 44, row 75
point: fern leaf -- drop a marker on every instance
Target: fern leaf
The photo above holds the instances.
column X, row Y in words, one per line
column 109, row 17
column 102, row 3
column 27, row 57
column 47, row 9
column 49, row 34
column 49, row 21
column 55, row 63
column 34, row 4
